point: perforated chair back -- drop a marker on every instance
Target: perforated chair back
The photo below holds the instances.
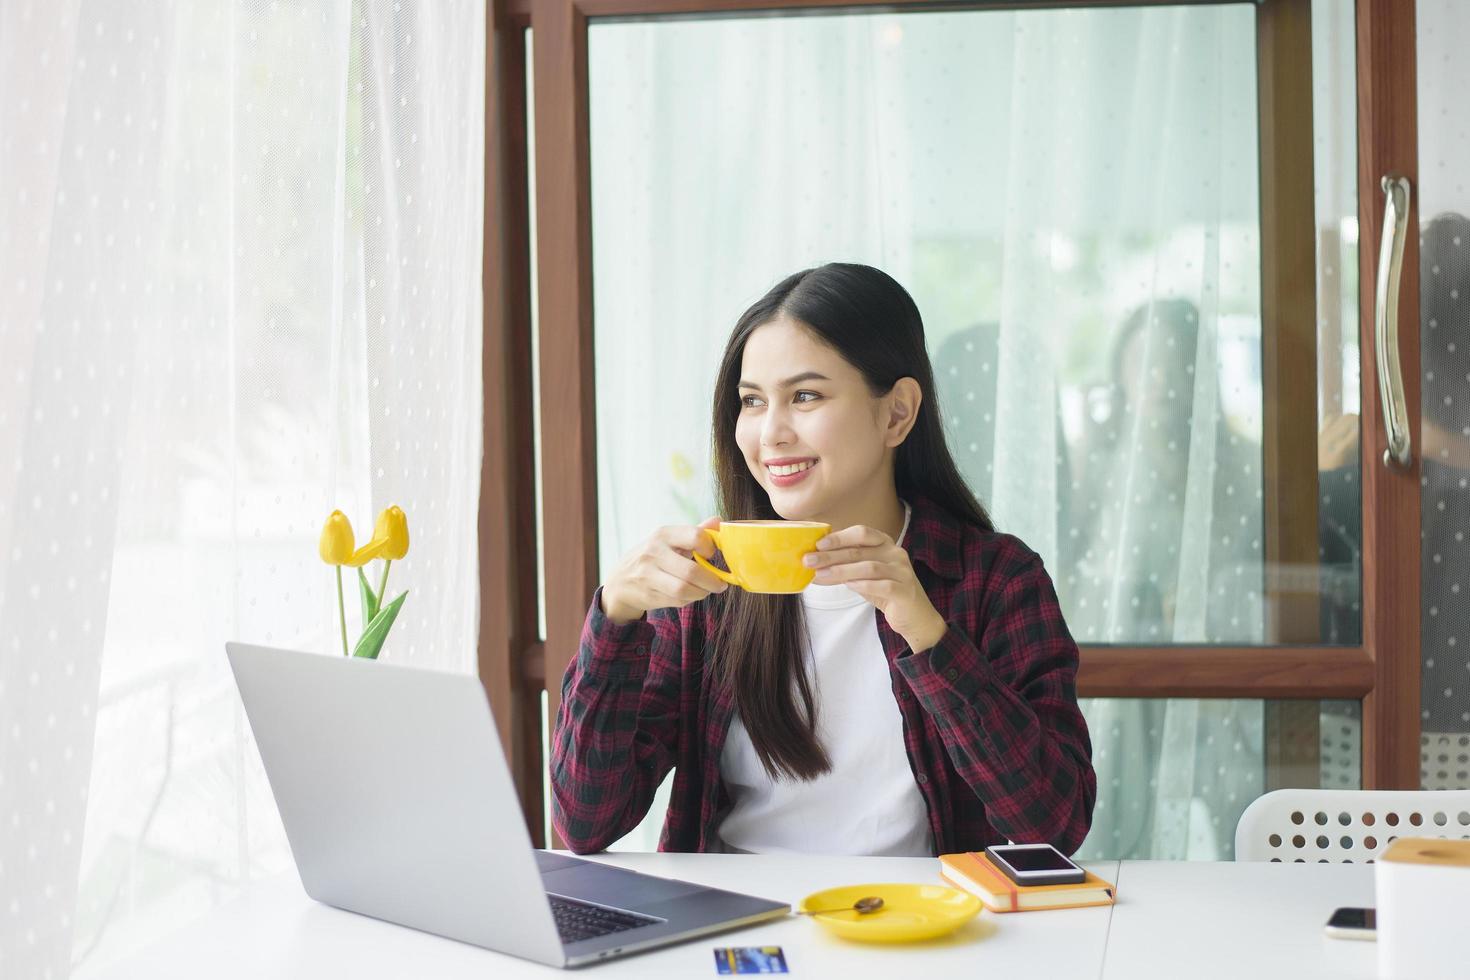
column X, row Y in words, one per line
column 1343, row 826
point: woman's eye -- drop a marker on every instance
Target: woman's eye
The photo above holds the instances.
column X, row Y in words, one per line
column 807, row 396
column 751, row 401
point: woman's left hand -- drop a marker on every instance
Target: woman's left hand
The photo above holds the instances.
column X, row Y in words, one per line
column 869, row 562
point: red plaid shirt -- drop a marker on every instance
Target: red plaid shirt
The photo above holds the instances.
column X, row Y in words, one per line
column 998, row 747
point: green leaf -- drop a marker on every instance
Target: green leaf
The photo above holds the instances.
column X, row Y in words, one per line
column 377, row 631
column 369, row 598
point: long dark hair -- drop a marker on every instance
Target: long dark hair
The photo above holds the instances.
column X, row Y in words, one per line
column 869, row 319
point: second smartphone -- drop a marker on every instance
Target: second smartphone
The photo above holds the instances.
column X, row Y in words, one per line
column 1035, row 864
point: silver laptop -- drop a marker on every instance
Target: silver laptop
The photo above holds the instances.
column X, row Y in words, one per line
column 398, row 804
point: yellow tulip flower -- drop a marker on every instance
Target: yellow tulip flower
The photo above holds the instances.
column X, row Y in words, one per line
column 336, row 549
column 392, row 527
column 336, row 540
column 389, row 541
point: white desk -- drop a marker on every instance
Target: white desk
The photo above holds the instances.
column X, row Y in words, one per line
column 1171, row 920
column 1236, row 920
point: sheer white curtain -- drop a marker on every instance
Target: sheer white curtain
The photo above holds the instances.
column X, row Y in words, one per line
column 239, row 287
column 1071, row 197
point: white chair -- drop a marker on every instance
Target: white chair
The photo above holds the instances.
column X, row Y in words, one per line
column 1336, row 826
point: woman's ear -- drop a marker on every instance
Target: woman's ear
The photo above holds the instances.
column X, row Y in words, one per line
column 903, row 401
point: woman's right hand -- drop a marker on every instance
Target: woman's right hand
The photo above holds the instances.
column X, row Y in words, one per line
column 660, row 573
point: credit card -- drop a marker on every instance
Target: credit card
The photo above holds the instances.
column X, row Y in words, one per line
column 749, row 959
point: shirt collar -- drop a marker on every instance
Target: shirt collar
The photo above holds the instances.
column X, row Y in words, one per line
column 935, row 538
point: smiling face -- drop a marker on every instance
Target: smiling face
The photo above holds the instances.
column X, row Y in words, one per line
column 813, row 434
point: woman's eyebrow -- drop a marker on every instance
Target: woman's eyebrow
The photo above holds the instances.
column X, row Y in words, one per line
column 795, row 379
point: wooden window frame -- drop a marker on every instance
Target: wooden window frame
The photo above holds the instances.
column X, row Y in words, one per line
column 515, row 662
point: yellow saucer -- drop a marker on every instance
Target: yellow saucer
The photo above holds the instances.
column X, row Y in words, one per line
column 909, row 913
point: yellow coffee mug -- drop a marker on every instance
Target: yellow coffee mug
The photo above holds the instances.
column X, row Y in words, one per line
column 765, row 556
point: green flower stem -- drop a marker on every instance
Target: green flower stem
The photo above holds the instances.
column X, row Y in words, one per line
column 342, row 611
column 383, row 585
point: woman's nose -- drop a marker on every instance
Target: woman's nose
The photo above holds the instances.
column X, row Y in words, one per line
column 776, row 428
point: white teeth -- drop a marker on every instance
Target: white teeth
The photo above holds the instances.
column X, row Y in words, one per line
column 788, row 470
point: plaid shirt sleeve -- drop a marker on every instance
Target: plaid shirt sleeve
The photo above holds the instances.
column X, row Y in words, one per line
column 1005, row 701
column 617, row 727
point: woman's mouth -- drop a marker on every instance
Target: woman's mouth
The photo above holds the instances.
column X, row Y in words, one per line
column 788, row 472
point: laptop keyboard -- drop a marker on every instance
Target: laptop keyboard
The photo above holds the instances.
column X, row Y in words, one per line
column 577, row 921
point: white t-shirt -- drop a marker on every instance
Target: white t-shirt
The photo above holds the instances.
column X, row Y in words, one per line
column 868, row 803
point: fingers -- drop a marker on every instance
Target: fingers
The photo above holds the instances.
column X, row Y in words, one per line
column 686, row 571
column 842, row 556
column 677, row 588
column 661, row 574
column 690, row 539
column 857, row 536
column 857, row 571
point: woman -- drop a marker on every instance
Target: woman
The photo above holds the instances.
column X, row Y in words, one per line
column 918, row 698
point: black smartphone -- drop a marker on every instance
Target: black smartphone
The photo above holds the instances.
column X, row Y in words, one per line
column 1035, row 864
column 1350, row 923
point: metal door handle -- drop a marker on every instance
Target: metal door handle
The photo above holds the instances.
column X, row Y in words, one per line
column 1386, row 319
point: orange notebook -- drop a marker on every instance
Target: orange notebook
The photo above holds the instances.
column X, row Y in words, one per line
column 973, row 872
